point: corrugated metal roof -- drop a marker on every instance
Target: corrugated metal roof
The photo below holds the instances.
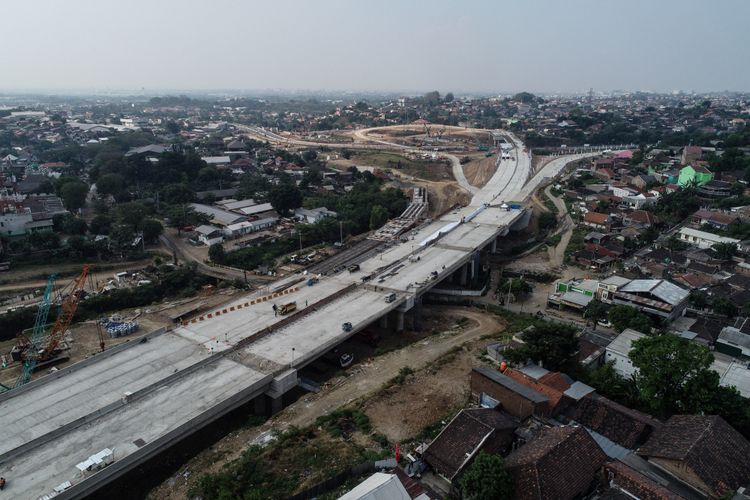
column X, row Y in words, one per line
column 733, row 336
column 661, row 289
column 609, row 447
column 576, row 298
column 624, row 342
column 578, row 390
column 534, row 371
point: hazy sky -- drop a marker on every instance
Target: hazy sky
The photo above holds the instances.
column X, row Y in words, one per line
column 542, row 46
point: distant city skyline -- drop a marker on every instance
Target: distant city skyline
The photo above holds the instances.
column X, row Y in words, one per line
column 485, row 47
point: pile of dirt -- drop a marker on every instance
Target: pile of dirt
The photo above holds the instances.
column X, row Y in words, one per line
column 479, row 171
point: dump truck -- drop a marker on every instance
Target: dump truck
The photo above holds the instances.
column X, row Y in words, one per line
column 287, row 308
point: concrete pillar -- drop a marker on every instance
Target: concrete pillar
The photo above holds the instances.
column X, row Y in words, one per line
column 259, row 405
column 493, row 249
column 399, row 321
column 384, row 321
column 276, row 405
column 464, row 274
column 417, row 314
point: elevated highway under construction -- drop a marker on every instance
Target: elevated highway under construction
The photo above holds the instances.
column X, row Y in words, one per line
column 139, row 398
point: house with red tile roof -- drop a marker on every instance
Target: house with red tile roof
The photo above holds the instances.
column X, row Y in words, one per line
column 561, row 463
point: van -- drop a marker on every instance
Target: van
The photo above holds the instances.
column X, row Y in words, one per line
column 390, row 297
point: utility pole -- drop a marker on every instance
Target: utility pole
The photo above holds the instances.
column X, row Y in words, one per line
column 341, row 233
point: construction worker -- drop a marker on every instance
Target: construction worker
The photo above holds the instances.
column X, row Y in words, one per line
column 2, row 483
column 275, row 310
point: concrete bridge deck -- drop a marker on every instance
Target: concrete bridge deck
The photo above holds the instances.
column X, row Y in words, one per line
column 140, row 397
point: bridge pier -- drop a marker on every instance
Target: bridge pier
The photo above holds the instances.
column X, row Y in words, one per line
column 384, row 321
column 493, row 248
column 276, row 404
column 399, row 321
column 416, row 315
column 463, row 274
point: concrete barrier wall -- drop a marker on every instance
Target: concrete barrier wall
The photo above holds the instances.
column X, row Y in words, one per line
column 101, row 478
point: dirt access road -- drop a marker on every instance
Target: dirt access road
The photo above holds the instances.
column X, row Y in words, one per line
column 361, row 381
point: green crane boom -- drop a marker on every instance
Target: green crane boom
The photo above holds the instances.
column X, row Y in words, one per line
column 37, row 335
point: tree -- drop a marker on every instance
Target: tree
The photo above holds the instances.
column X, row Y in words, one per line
column 516, row 286
column 74, row 225
column 285, row 197
column 725, row 251
column 151, row 228
column 623, row 317
column 673, row 374
column 595, row 311
column 486, row 477
column 216, row 253
column 378, row 217
column 448, row 97
column 184, row 215
column 725, row 307
column 547, row 220
column 100, row 224
column 74, row 194
column 555, row 345
column 132, row 213
column 110, row 184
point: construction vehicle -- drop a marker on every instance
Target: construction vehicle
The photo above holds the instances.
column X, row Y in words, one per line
column 41, row 350
column 28, row 349
column 287, row 308
column 65, row 318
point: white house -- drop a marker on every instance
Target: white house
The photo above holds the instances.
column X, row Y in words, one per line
column 619, row 352
column 209, row 235
column 703, row 239
column 247, row 227
column 313, row 215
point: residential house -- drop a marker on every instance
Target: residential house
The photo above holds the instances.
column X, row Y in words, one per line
column 702, row 451
column 639, row 218
column 209, row 235
column 492, row 389
column 734, row 340
column 384, row 486
column 470, row 431
column 653, row 296
column 598, row 221
column 561, row 463
column 715, row 189
column 575, row 294
column 313, row 215
column 618, row 352
column 714, row 218
column 697, row 175
column 618, row 424
column 642, row 180
column 703, row 239
column 635, row 484
column 691, row 154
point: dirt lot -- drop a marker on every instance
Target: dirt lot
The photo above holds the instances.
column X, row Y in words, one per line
column 480, row 170
column 364, row 383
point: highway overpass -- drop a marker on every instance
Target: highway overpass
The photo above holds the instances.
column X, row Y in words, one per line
column 141, row 397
